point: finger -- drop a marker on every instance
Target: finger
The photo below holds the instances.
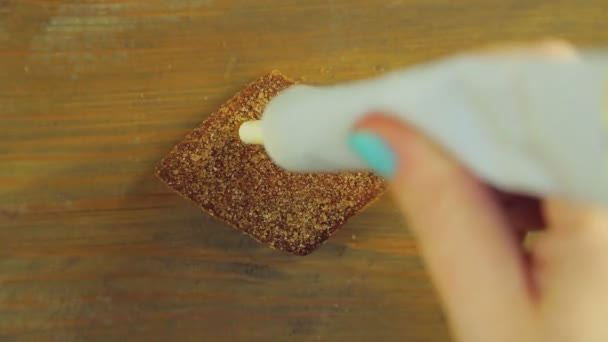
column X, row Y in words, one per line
column 464, row 236
column 573, row 274
column 562, row 214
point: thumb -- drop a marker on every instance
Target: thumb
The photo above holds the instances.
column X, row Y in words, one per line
column 474, row 260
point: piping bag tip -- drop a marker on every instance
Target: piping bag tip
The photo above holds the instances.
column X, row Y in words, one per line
column 250, row 132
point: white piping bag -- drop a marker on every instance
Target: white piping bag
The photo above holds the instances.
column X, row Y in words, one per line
column 525, row 124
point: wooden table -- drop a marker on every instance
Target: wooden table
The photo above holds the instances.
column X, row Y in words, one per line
column 94, row 93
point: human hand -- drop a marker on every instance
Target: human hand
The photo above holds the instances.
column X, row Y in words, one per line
column 494, row 288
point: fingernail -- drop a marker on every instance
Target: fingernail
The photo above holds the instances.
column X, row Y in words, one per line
column 375, row 152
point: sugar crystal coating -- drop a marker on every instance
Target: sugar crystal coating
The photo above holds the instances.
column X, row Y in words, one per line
column 239, row 184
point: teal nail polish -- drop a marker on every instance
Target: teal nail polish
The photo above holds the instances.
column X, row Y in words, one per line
column 375, row 152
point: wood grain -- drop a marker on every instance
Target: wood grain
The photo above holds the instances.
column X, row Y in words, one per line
column 94, row 93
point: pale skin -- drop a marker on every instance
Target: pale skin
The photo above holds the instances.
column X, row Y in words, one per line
column 491, row 286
